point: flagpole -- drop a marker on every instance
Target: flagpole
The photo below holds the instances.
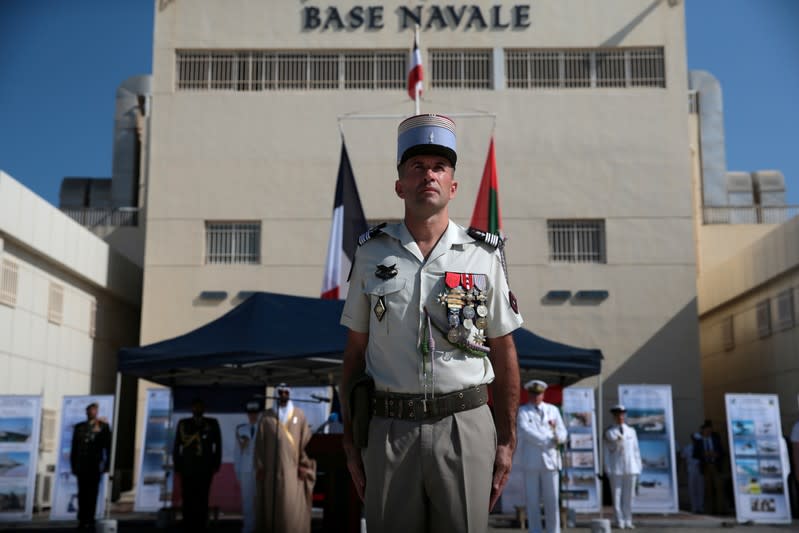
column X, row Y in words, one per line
column 416, row 86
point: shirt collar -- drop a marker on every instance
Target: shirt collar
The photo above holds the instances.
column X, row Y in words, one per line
column 454, row 235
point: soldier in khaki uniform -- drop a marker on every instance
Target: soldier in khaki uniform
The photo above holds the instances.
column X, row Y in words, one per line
column 430, row 318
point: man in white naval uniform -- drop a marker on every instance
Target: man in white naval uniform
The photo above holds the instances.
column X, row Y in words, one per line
column 430, row 318
column 623, row 465
column 243, row 463
column 540, row 431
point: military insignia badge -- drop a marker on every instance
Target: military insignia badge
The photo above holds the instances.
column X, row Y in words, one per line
column 380, row 308
column 386, row 271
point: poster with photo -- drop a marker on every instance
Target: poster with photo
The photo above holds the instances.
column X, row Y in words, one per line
column 153, row 485
column 759, row 474
column 20, row 420
column 579, row 481
column 65, row 487
column 649, row 412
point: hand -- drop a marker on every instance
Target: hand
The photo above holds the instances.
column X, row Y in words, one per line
column 303, row 473
column 355, row 466
column 502, row 465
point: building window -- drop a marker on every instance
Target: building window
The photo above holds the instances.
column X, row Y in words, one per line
column 575, row 68
column 55, row 304
column 576, row 241
column 460, row 69
column 232, row 242
column 93, row 318
column 785, row 316
column 727, row 333
column 764, row 318
column 9, row 276
column 263, row 70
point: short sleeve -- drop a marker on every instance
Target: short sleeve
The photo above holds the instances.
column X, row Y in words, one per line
column 502, row 319
column 355, row 315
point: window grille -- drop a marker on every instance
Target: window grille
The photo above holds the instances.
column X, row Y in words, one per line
column 55, row 305
column 93, row 319
column 576, row 241
column 262, row 70
column 461, row 69
column 785, row 315
column 9, row 278
column 764, row 318
column 232, row 242
column 728, row 333
column 574, row 68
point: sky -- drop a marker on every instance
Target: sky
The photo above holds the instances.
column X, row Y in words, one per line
column 61, row 62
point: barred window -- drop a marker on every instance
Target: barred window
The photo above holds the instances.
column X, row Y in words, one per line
column 461, row 69
column 572, row 68
column 262, row 70
column 9, row 276
column 764, row 318
column 728, row 333
column 785, row 315
column 55, row 304
column 576, row 241
column 232, row 242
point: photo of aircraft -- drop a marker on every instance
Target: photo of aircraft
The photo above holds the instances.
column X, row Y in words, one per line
column 15, row 429
column 10, row 465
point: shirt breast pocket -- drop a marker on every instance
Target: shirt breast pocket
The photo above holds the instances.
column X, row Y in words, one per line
column 386, row 300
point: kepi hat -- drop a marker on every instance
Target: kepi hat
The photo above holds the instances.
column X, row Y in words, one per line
column 426, row 135
column 535, row 385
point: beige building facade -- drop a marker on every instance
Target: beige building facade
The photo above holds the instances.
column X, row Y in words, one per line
column 586, row 102
column 68, row 302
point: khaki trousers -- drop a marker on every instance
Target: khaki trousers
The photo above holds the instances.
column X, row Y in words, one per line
column 430, row 476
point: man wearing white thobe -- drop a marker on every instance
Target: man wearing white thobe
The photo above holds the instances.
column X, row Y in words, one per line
column 244, row 465
column 623, row 466
column 540, row 431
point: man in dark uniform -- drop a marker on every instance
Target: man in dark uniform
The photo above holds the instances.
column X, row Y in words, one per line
column 197, row 455
column 91, row 449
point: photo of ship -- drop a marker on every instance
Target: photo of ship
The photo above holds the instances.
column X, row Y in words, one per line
column 581, row 441
column 770, row 467
column 768, row 447
column 746, row 467
column 745, row 447
column 743, row 428
column 654, row 454
column 580, row 459
column 578, row 420
column 16, row 429
column 12, row 499
column 647, row 421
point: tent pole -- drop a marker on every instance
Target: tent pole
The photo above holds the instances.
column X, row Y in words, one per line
column 600, row 441
column 114, row 437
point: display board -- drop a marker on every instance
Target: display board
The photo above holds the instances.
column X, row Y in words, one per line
column 758, row 469
column 650, row 413
column 20, row 423
column 65, row 487
column 579, row 481
column 153, row 485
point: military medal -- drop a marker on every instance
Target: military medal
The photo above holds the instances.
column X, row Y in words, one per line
column 481, row 323
column 465, row 300
column 468, row 312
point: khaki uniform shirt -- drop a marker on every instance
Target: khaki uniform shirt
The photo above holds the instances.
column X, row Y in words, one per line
column 393, row 353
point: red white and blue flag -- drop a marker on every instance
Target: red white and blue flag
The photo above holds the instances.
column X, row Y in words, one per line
column 415, row 72
column 348, row 223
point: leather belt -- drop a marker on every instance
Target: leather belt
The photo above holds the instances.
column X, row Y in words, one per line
column 415, row 407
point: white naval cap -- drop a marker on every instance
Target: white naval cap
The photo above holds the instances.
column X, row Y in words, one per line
column 618, row 408
column 535, row 385
column 284, row 387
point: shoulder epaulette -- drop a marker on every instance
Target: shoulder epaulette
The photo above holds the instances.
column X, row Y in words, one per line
column 491, row 239
column 373, row 232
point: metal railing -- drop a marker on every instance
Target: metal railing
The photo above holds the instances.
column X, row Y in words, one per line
column 749, row 214
column 103, row 216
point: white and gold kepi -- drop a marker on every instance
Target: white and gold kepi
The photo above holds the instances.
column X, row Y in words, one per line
column 426, row 135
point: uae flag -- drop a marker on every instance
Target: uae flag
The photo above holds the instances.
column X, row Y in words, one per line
column 415, row 73
column 348, row 224
column 486, row 215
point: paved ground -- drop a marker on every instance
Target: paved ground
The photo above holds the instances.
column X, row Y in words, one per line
column 682, row 522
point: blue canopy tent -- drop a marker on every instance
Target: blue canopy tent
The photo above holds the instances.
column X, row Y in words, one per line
column 271, row 338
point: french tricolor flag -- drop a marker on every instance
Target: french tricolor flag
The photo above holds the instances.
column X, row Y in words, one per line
column 415, row 72
column 348, row 223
